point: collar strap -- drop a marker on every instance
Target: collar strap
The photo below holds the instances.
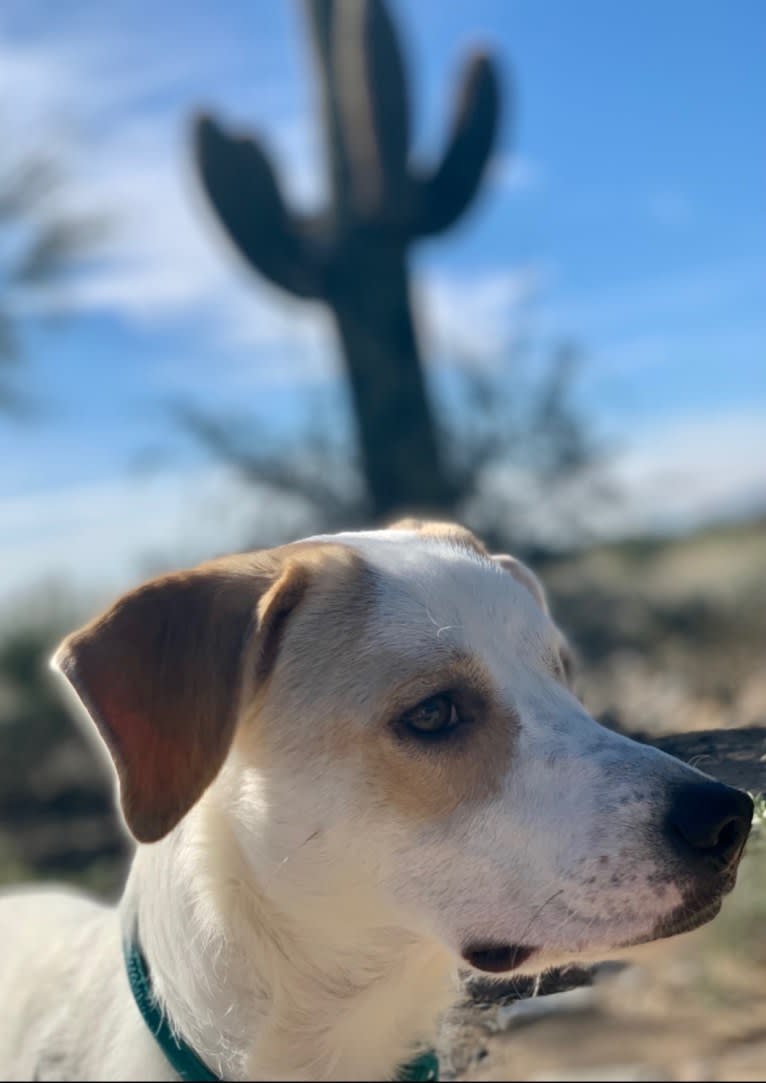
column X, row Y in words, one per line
column 180, row 1056
column 183, row 1059
column 422, row 1068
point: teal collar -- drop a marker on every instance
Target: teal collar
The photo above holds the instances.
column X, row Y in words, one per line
column 185, row 1061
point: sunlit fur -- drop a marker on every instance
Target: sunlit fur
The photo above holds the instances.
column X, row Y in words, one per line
column 305, row 920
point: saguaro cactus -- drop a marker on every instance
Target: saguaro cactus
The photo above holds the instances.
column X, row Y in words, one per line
column 353, row 254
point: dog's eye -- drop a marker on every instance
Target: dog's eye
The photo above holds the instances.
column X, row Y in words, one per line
column 434, row 717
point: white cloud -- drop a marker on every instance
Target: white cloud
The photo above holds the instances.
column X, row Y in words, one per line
column 687, row 470
column 668, row 477
column 163, row 260
column 160, row 260
column 42, row 86
column 476, row 317
column 100, row 538
column 511, row 172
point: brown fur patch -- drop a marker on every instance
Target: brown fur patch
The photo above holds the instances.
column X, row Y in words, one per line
column 337, row 691
column 428, row 779
column 161, row 672
column 274, row 609
column 443, row 531
column 524, row 575
column 315, row 662
column 159, row 675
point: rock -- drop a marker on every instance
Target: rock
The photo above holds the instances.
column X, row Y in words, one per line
column 542, row 1007
column 734, row 756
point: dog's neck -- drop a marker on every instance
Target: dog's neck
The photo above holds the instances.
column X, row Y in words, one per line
column 265, row 989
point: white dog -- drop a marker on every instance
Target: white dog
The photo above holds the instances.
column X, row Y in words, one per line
column 353, row 764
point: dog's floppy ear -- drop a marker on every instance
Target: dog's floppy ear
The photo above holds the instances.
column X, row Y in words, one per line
column 160, row 675
column 525, row 576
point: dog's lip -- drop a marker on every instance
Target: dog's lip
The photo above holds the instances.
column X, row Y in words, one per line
column 497, row 958
column 684, row 919
column 688, row 918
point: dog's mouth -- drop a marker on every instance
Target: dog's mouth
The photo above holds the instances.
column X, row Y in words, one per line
column 504, row 958
column 497, row 958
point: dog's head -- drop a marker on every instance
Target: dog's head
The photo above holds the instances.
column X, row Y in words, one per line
column 393, row 707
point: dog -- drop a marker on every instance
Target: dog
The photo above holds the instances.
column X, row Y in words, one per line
column 354, row 766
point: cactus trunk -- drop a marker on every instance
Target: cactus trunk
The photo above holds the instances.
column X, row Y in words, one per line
column 396, row 431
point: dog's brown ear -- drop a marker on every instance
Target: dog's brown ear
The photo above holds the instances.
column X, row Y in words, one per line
column 528, row 579
column 160, row 675
column 525, row 576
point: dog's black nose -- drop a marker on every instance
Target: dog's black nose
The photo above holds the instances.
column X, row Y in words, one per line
column 710, row 822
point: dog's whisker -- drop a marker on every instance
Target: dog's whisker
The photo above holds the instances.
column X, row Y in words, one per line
column 306, row 841
column 441, row 628
column 539, row 911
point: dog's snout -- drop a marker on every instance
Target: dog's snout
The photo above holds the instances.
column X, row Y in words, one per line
column 709, row 822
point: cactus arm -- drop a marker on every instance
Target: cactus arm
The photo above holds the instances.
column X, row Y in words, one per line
column 374, row 108
column 439, row 198
column 241, row 185
column 321, row 18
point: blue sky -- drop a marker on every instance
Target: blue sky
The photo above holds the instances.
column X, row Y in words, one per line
column 624, row 210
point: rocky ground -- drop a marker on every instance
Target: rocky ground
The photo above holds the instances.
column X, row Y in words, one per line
column 671, row 637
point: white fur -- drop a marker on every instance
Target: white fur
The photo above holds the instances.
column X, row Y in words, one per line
column 294, row 932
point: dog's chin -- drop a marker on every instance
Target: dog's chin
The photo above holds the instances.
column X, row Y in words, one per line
column 686, row 918
column 498, row 958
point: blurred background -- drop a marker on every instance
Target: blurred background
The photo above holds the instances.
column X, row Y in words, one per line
column 273, row 268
